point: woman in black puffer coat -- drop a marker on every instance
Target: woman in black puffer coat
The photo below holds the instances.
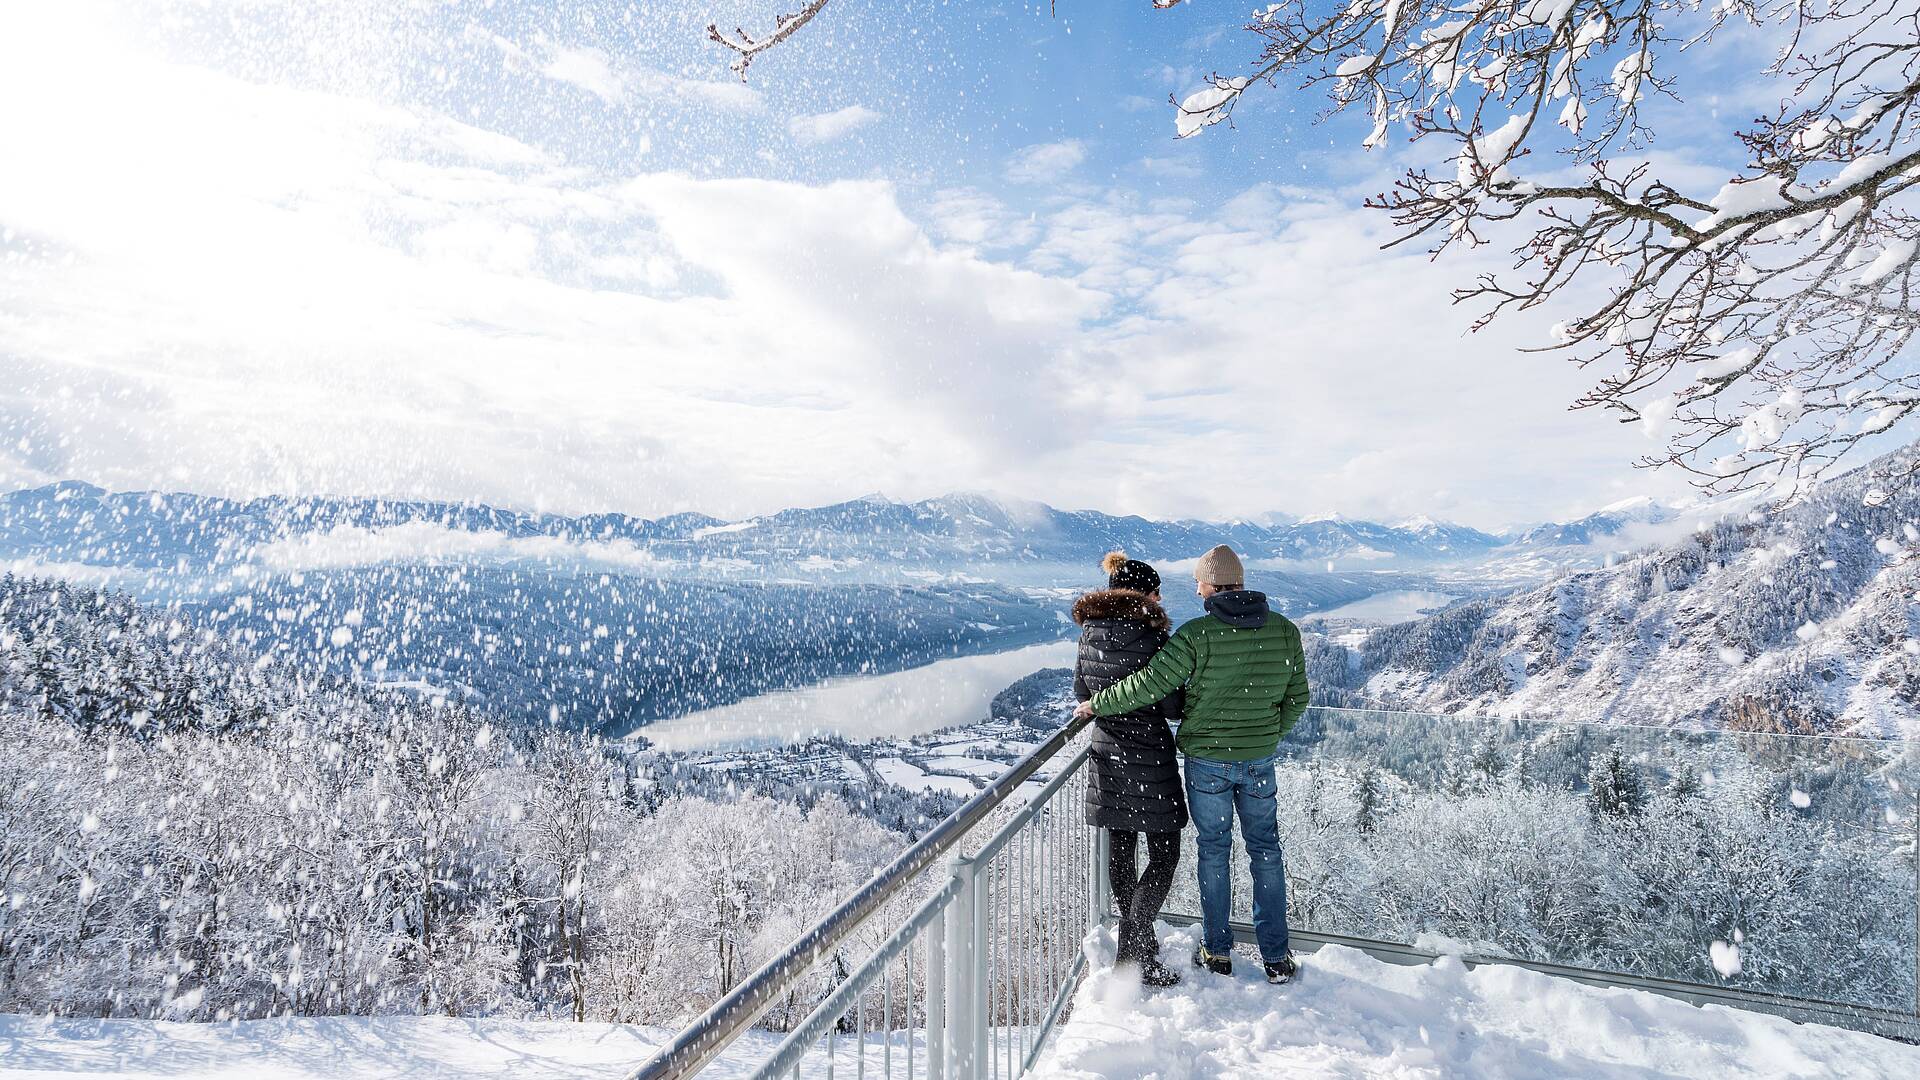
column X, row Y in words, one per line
column 1133, row 785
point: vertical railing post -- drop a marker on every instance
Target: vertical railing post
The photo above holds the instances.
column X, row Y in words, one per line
column 982, row 914
column 1098, row 891
column 966, row 981
column 936, row 935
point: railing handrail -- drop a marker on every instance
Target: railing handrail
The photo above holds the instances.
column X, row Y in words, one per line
column 700, row 1042
column 1613, row 725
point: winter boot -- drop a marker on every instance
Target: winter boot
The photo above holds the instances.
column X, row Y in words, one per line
column 1218, row 963
column 1282, row 970
column 1156, row 974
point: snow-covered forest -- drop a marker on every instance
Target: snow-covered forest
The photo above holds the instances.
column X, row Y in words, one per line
column 1578, row 850
column 188, row 833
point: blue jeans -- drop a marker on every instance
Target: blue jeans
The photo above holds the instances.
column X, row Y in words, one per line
column 1215, row 791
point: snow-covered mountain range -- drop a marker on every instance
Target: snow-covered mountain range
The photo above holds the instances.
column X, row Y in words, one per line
column 80, row 523
column 1802, row 620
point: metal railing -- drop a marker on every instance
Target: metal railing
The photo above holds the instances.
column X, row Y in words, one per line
column 973, row 968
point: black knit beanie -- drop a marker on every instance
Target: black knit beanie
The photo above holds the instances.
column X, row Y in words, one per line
column 1125, row 573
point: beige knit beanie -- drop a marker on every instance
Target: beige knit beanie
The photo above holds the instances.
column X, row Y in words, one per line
column 1220, row 567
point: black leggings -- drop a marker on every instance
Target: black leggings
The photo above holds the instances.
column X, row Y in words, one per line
column 1139, row 894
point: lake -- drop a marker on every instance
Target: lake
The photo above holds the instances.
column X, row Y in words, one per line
column 1400, row 605
column 900, row 704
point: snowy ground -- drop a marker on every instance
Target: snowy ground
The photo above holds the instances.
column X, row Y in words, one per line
column 1350, row 1015
column 312, row 1048
column 363, row 1048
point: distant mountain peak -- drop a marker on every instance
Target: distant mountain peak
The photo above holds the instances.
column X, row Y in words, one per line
column 61, row 490
column 1636, row 502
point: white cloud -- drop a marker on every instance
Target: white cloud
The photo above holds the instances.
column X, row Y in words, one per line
column 828, row 126
column 613, row 82
column 974, row 217
column 695, row 93
column 1046, row 162
column 1171, row 168
column 588, row 69
column 237, row 288
column 1292, row 345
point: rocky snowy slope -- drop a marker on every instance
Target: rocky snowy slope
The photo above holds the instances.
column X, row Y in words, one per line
column 1801, row 620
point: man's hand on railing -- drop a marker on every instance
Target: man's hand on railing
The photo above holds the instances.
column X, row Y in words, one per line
column 1084, row 712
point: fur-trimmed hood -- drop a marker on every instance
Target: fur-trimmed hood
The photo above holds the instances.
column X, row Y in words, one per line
column 1122, row 604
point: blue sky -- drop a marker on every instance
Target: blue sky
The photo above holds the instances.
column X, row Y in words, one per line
column 556, row 255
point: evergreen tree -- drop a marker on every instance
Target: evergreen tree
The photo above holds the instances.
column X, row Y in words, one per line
column 1685, row 783
column 1614, row 786
column 1367, row 801
column 1488, row 763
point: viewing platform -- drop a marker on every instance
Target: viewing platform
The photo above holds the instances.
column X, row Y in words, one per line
column 1489, row 861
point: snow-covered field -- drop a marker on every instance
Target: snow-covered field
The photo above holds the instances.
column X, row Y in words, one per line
column 1350, row 1015
column 910, row 776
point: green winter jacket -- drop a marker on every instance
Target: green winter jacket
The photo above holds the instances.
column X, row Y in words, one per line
column 1245, row 676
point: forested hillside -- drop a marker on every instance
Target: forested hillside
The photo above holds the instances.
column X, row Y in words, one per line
column 190, row 832
column 1801, row 620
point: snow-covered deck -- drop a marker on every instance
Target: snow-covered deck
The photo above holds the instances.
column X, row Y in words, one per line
column 1351, row 1015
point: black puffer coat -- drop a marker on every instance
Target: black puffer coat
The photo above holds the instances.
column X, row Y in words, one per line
column 1134, row 783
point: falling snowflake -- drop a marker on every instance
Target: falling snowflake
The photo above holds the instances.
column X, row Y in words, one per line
column 1725, row 958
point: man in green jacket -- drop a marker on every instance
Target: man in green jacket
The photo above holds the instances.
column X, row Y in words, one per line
column 1245, row 676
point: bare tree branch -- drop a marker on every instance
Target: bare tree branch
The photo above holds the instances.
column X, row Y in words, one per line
column 748, row 47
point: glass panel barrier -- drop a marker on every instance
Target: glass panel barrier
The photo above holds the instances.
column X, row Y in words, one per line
column 1752, row 860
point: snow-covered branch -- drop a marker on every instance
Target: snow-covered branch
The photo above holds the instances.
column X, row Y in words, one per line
column 748, row 47
column 1761, row 330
